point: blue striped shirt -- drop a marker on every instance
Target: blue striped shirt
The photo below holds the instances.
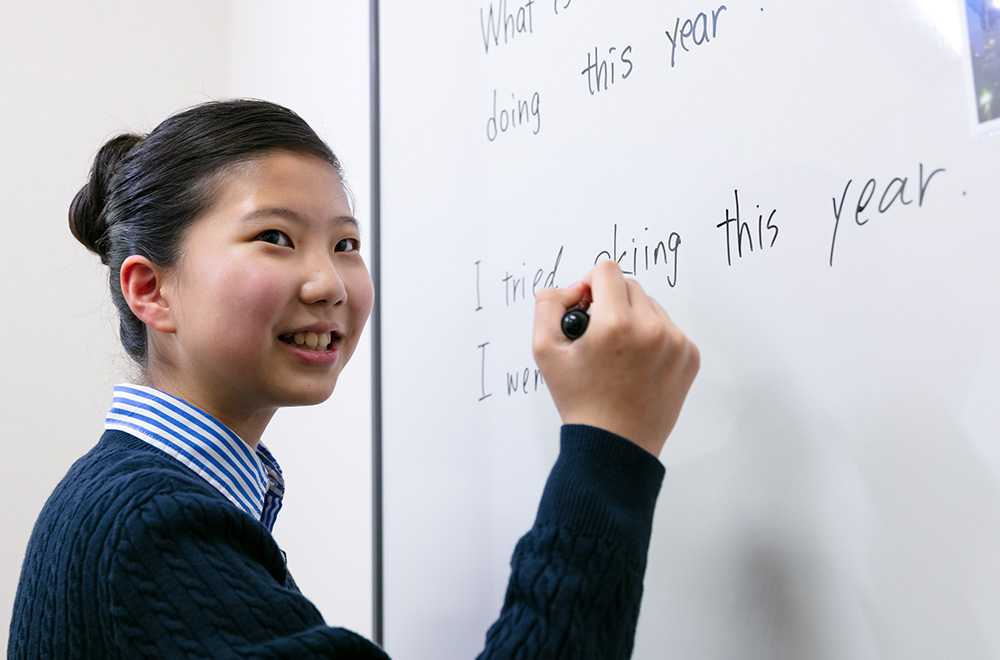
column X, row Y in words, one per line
column 249, row 479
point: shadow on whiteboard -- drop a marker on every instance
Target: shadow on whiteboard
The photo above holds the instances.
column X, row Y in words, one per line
column 792, row 543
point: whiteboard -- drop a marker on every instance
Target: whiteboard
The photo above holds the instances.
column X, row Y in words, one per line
column 810, row 192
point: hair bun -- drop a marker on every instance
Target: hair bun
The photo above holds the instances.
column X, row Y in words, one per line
column 86, row 212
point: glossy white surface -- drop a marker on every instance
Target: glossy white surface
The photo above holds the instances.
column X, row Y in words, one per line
column 832, row 487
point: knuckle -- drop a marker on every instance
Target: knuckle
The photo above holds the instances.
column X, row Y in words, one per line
column 606, row 267
column 660, row 334
column 685, row 355
column 674, row 345
column 652, row 334
column 616, row 325
column 635, row 289
column 677, row 342
column 694, row 359
column 546, row 295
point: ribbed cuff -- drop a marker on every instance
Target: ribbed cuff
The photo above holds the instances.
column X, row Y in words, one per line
column 602, row 485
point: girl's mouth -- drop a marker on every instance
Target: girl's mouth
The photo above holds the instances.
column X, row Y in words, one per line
column 308, row 340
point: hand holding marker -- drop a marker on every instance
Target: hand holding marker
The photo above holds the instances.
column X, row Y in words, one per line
column 631, row 374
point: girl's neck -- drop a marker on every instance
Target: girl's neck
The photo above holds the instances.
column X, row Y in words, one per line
column 248, row 425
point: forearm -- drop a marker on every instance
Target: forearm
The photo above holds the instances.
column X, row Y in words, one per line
column 576, row 580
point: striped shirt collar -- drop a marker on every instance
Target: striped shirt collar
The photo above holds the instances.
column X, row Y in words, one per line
column 249, row 479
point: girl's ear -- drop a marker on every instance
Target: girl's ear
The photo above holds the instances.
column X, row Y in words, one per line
column 143, row 287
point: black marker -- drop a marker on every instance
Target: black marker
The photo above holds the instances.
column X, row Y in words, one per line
column 575, row 320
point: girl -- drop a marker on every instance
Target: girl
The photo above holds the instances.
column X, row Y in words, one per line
column 234, row 264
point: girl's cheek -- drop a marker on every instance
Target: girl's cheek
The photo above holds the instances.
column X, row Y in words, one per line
column 362, row 292
column 261, row 295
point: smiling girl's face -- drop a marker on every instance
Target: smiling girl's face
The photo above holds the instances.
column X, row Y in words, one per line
column 269, row 298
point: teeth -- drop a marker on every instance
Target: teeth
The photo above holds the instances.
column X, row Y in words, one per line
column 319, row 342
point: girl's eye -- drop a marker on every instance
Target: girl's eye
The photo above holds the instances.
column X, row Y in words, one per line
column 275, row 237
column 348, row 245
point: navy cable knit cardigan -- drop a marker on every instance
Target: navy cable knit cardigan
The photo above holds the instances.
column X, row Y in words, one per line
column 136, row 556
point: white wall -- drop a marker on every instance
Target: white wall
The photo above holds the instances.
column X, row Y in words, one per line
column 73, row 75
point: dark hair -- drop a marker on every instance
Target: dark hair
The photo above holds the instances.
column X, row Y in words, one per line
column 144, row 192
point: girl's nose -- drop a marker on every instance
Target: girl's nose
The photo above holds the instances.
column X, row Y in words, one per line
column 323, row 284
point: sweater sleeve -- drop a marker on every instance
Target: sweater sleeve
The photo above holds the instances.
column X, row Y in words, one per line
column 576, row 576
column 191, row 576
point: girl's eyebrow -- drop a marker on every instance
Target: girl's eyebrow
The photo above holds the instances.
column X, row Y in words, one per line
column 293, row 216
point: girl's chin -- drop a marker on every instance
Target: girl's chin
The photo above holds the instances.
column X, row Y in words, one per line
column 311, row 396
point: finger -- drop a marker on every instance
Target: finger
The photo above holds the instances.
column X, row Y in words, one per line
column 608, row 287
column 637, row 297
column 566, row 297
column 641, row 301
